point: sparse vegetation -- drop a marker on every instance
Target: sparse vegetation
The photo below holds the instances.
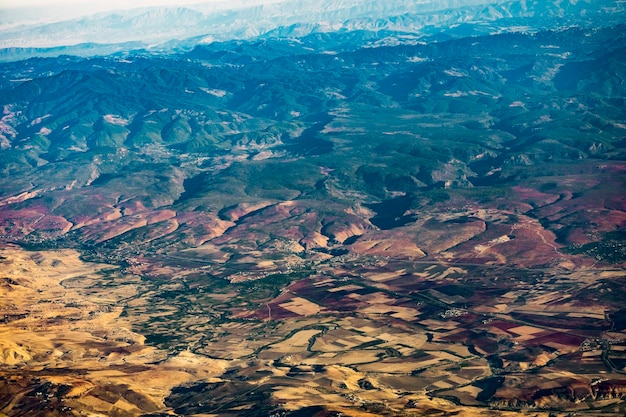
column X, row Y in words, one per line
column 347, row 224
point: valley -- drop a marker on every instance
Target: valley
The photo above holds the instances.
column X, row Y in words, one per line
column 367, row 335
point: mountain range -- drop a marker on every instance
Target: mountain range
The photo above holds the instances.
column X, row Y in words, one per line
column 174, row 28
column 366, row 208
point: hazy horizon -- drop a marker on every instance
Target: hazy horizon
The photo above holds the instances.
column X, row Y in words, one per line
column 107, row 5
column 15, row 13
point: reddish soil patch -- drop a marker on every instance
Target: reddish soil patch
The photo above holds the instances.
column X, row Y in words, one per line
column 561, row 338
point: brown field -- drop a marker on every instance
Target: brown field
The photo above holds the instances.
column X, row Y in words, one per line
column 295, row 344
column 301, row 306
column 339, row 341
column 352, row 357
column 399, row 329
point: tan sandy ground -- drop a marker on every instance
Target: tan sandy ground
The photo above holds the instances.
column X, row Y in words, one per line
column 296, row 343
column 54, row 321
column 353, row 357
column 301, row 306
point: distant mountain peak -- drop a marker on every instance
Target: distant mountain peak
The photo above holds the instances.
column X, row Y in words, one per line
column 165, row 28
